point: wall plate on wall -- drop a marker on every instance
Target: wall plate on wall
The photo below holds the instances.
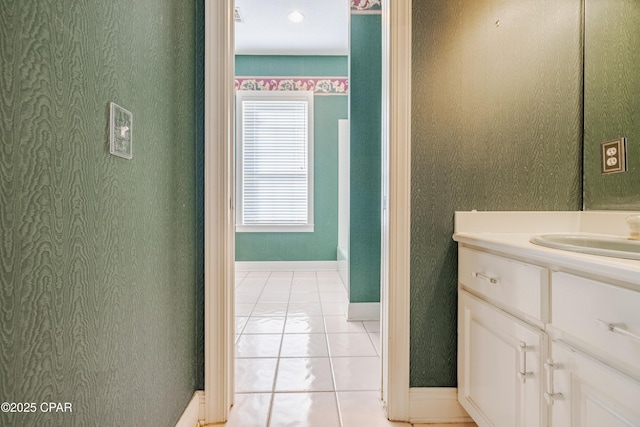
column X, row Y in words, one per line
column 614, row 156
column 120, row 132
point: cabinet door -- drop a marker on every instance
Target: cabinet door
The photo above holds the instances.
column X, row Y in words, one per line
column 499, row 366
column 583, row 392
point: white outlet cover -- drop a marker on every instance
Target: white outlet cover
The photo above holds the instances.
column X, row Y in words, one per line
column 120, row 132
column 614, row 156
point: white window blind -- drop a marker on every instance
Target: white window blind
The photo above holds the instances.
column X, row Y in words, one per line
column 275, row 168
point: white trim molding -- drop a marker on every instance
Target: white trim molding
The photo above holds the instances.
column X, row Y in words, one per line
column 396, row 297
column 286, row 265
column 194, row 412
column 219, row 249
column 436, row 405
column 363, row 311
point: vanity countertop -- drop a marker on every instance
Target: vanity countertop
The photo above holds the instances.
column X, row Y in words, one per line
column 499, row 232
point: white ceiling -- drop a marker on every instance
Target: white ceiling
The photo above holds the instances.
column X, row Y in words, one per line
column 266, row 30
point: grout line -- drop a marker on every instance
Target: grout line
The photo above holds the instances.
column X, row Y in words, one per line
column 333, row 374
column 375, row 348
column 275, row 377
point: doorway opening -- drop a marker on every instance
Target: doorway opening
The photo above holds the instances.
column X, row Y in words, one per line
column 219, row 212
column 300, row 337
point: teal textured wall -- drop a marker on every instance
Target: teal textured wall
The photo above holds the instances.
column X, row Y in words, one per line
column 284, row 65
column 365, row 162
column 496, row 125
column 611, row 100
column 97, row 253
column 328, row 109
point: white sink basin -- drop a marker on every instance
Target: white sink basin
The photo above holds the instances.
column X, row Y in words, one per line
column 594, row 244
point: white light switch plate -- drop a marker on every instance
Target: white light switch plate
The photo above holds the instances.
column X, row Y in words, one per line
column 120, row 132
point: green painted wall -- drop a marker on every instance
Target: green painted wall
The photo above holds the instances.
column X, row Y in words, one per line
column 321, row 244
column 496, row 125
column 611, row 101
column 366, row 164
column 97, row 253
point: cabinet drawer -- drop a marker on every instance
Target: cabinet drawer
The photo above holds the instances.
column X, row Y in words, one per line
column 605, row 318
column 515, row 286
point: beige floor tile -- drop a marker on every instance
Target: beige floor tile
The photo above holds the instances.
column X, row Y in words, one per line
column 250, row 410
column 375, row 339
column 317, row 409
column 331, row 287
column 363, row 408
column 264, row 325
column 337, row 324
column 350, row 344
column 243, row 309
column 340, row 296
column 304, row 345
column 270, row 309
column 304, row 309
column 304, row 296
column 304, row 324
column 334, row 308
column 372, row 327
column 255, row 375
column 246, row 297
column 273, row 296
column 304, row 374
column 240, row 322
column 356, row 373
column 263, row 345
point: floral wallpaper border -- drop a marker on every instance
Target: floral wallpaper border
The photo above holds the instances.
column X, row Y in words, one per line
column 366, row 5
column 319, row 85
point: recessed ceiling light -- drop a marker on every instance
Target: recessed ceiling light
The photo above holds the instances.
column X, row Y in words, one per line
column 296, row 17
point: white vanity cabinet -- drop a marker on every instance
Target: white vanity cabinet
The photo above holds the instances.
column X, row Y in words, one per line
column 543, row 344
column 500, row 355
column 594, row 365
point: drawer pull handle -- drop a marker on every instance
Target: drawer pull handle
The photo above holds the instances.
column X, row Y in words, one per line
column 486, row 277
column 550, row 396
column 523, row 374
column 618, row 328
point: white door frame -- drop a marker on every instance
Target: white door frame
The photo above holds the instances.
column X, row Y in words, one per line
column 219, row 233
column 396, row 18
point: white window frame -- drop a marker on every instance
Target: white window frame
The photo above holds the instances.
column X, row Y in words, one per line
column 252, row 95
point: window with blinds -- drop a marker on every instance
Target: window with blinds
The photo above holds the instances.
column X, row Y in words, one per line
column 274, row 151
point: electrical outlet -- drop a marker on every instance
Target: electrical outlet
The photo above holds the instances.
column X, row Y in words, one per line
column 614, row 156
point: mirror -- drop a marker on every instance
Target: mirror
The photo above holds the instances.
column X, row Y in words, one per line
column 611, row 101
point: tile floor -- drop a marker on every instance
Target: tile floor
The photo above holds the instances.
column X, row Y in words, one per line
column 298, row 361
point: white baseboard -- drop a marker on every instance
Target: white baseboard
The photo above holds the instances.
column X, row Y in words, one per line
column 285, row 265
column 363, row 311
column 194, row 412
column 437, row 405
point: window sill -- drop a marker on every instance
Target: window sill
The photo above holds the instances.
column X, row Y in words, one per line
column 274, row 228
